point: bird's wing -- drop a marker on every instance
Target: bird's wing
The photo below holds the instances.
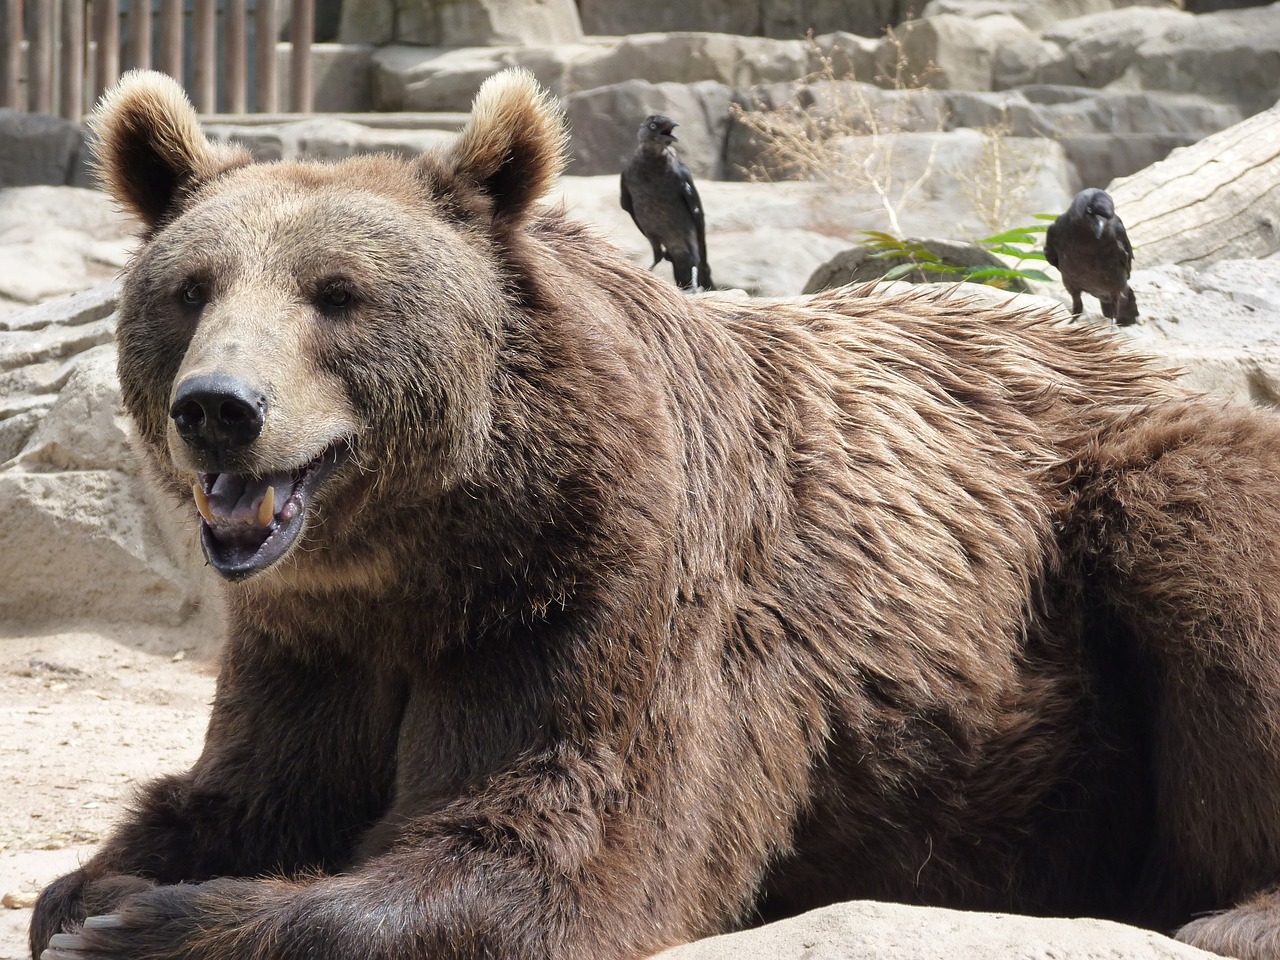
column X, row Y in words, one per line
column 1050, row 252
column 626, row 197
column 1122, row 236
column 691, row 200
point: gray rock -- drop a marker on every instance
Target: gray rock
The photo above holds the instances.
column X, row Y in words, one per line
column 862, row 265
column 368, row 22
column 949, row 52
column 440, row 79
column 691, row 57
column 782, row 19
column 863, row 930
column 332, row 138
column 1218, row 199
column 603, row 123
column 39, row 149
column 852, row 56
column 341, row 76
column 1103, row 157
column 1220, row 324
column 1036, row 14
column 1096, row 50
column 82, row 538
column 58, row 240
column 432, row 79
column 460, row 23
column 1233, row 55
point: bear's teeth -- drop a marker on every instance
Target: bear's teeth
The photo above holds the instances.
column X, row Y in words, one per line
column 267, row 511
column 202, row 502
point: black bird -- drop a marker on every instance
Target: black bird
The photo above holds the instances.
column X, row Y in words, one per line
column 658, row 192
column 1090, row 248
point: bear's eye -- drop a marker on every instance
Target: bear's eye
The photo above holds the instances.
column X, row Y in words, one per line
column 336, row 294
column 194, row 293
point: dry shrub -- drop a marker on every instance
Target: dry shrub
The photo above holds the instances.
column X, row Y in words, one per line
column 832, row 131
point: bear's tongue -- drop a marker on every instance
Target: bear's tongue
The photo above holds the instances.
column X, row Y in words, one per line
column 232, row 500
column 251, row 522
column 241, row 513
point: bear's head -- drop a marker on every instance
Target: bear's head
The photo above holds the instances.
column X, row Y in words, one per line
column 289, row 331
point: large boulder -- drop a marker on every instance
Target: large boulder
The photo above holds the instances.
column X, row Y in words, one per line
column 84, row 541
column 1216, row 200
column 869, row 263
column 1219, row 323
column 57, row 240
column 950, row 52
column 864, row 930
column 1036, row 14
column 39, row 149
column 322, row 137
column 1232, row 54
column 603, row 124
column 782, row 19
column 434, row 78
column 460, row 23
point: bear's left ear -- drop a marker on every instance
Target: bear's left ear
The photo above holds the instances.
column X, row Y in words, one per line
column 513, row 147
column 149, row 148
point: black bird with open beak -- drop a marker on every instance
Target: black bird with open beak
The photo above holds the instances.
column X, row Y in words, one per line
column 658, row 192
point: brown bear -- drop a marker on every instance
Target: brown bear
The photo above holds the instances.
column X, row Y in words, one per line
column 575, row 618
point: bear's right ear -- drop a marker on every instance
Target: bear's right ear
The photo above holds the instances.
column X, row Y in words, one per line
column 150, row 150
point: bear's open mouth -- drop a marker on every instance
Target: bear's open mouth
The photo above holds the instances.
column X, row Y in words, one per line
column 248, row 522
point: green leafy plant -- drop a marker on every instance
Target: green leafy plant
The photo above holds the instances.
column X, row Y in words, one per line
column 1023, row 244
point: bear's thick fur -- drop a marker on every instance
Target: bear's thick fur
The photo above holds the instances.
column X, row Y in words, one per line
column 572, row 618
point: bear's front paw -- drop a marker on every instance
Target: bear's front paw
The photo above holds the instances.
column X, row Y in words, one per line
column 163, row 923
column 68, row 900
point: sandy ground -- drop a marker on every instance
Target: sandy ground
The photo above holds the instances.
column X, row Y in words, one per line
column 85, row 718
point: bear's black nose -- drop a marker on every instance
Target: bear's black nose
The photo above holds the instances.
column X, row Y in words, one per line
column 218, row 412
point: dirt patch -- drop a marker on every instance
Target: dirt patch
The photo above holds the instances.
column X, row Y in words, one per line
column 86, row 716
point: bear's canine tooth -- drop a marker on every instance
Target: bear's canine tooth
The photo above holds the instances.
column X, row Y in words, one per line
column 202, row 502
column 267, row 511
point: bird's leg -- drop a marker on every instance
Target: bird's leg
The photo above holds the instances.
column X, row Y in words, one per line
column 1077, row 305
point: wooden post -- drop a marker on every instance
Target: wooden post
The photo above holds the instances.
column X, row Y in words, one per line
column 140, row 34
column 204, row 55
column 303, row 28
column 40, row 57
column 11, row 55
column 266, row 26
column 233, row 40
column 71, row 60
column 106, row 27
column 171, row 39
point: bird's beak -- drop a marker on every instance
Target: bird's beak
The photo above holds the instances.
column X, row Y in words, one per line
column 1097, row 226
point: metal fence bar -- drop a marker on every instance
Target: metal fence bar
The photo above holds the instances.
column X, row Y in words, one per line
column 106, row 29
column 40, row 57
column 266, row 27
column 302, row 24
column 11, row 55
column 140, row 34
column 170, row 59
column 236, row 74
column 71, row 60
column 204, row 55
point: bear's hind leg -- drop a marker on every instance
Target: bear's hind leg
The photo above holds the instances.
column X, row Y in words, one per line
column 1182, row 506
